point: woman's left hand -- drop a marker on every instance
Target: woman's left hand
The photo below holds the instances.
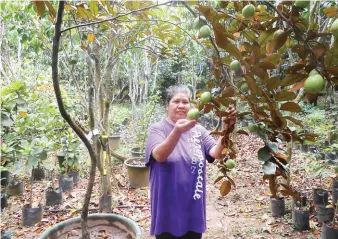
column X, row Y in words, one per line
column 230, row 120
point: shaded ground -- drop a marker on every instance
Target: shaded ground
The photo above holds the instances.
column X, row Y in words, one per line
column 243, row 213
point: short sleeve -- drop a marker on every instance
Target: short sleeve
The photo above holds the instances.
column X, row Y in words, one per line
column 156, row 135
column 208, row 143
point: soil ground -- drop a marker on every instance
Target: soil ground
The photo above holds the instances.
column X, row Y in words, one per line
column 244, row 213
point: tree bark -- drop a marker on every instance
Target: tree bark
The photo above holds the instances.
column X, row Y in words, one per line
column 70, row 121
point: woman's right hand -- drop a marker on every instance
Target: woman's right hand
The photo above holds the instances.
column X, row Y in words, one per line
column 183, row 125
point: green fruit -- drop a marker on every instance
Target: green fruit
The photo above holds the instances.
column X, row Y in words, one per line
column 193, row 114
column 238, row 78
column 235, row 65
column 277, row 33
column 334, row 28
column 248, row 11
column 253, row 128
column 302, row 3
column 205, row 97
column 245, row 87
column 199, row 22
column 230, row 163
column 204, row 31
column 313, row 72
column 314, row 84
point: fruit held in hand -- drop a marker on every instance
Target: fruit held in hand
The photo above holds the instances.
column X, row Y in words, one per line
column 204, row 31
column 248, row 11
column 205, row 97
column 334, row 28
column 302, row 3
column 199, row 22
column 235, row 65
column 230, row 163
column 193, row 114
column 314, row 84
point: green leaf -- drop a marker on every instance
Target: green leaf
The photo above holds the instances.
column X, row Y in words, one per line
column 93, row 5
column 273, row 147
column 50, row 9
column 264, row 154
column 269, row 168
column 273, row 83
column 279, row 41
column 291, row 106
column 249, row 35
column 265, row 36
column 6, row 121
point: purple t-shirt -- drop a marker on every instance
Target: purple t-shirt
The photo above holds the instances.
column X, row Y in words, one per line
column 177, row 186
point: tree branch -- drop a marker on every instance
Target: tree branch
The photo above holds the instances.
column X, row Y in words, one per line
column 114, row 18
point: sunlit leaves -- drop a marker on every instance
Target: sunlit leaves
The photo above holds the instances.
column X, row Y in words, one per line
column 39, row 7
column 225, row 188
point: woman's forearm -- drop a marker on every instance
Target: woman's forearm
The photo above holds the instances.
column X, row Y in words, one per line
column 162, row 151
column 216, row 151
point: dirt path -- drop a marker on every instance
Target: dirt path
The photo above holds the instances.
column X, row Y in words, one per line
column 243, row 213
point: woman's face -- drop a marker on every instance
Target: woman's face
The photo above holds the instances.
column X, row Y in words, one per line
column 178, row 107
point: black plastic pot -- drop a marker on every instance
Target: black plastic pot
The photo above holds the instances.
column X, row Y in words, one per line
column 53, row 197
column 329, row 232
column 4, row 178
column 334, row 195
column 324, row 214
column 75, row 175
column 277, row 207
column 30, row 216
column 320, row 196
column 99, row 220
column 15, row 189
column 38, row 174
column 66, row 184
column 4, row 202
column 335, row 183
column 301, row 219
column 302, row 202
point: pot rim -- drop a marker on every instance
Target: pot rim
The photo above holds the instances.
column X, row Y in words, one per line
column 127, row 162
column 134, row 226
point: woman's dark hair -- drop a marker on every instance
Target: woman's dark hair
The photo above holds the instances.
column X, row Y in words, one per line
column 174, row 89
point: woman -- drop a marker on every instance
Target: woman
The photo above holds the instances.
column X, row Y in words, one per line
column 176, row 151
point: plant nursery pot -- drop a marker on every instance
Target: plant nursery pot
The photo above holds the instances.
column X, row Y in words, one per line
column 75, row 175
column 335, row 183
column 65, row 183
column 38, row 174
column 329, row 231
column 324, row 214
column 53, row 197
column 138, row 173
column 4, row 178
column 15, row 189
column 334, row 195
column 115, row 226
column 114, row 142
column 301, row 219
column 136, row 152
column 320, row 196
column 302, row 202
column 30, row 216
column 277, row 206
column 4, row 202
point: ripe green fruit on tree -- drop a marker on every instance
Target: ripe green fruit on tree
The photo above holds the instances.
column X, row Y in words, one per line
column 244, row 87
column 334, row 28
column 199, row 22
column 205, row 97
column 253, row 128
column 313, row 72
column 277, row 33
column 314, row 84
column 193, row 114
column 235, row 65
column 230, row 163
column 204, row 31
column 248, row 11
column 302, row 3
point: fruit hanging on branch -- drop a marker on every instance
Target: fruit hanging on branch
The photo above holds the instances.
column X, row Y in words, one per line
column 314, row 84
column 248, row 11
column 199, row 22
column 204, row 31
column 205, row 97
column 235, row 65
column 230, row 163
